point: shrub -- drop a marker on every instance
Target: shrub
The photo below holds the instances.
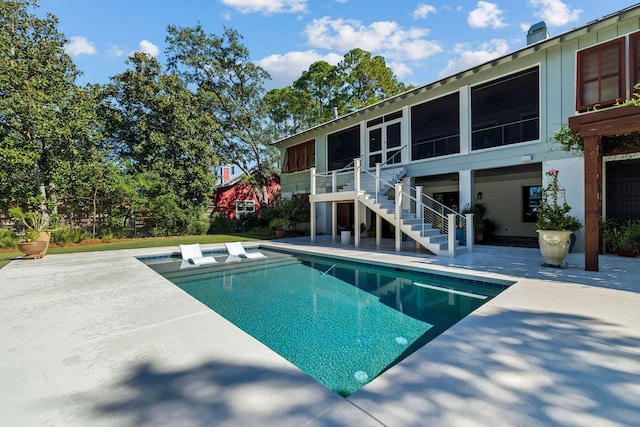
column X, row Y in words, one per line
column 622, row 236
column 8, row 239
column 64, row 235
column 111, row 232
column 219, row 224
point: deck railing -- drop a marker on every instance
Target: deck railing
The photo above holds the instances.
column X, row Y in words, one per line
column 431, row 212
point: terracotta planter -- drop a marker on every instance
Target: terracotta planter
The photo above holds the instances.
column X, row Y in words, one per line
column 554, row 246
column 44, row 236
column 33, row 250
column 279, row 234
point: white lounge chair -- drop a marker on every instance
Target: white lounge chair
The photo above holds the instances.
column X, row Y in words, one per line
column 236, row 249
column 193, row 255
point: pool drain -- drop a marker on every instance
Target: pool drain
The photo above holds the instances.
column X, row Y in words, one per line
column 361, row 376
column 401, row 340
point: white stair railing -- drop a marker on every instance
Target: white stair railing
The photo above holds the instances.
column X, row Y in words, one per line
column 389, row 187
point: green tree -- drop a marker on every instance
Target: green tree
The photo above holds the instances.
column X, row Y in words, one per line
column 367, row 79
column 288, row 111
column 323, row 83
column 163, row 138
column 359, row 80
column 232, row 88
column 44, row 116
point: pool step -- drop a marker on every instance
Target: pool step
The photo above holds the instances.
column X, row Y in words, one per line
column 222, row 267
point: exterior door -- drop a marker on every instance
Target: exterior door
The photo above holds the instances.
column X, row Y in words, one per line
column 385, row 140
column 623, row 189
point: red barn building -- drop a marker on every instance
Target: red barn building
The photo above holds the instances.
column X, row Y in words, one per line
column 236, row 198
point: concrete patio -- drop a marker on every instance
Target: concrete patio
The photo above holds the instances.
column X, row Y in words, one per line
column 100, row 339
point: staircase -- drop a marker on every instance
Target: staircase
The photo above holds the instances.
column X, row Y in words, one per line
column 421, row 218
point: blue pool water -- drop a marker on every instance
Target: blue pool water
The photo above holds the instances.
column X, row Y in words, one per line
column 341, row 322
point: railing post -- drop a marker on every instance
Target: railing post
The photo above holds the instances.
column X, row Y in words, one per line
column 313, row 181
column 334, row 221
column 378, row 175
column 471, row 234
column 313, row 222
column 451, row 234
column 356, row 174
column 334, row 181
column 398, row 217
column 419, row 212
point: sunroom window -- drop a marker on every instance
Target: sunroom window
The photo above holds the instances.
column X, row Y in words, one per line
column 435, row 128
column 601, row 79
column 506, row 111
column 343, row 147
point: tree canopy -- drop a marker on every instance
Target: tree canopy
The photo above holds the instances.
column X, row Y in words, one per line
column 143, row 147
column 44, row 117
column 322, row 90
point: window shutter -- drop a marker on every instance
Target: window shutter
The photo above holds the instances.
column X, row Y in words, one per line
column 601, row 78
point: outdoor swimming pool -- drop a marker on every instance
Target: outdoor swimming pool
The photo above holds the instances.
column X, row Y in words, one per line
column 342, row 322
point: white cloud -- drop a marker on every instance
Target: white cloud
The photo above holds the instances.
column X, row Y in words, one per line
column 268, row 7
column 79, row 46
column 115, row 51
column 486, row 15
column 400, row 69
column 284, row 69
column 386, row 38
column 149, row 48
column 469, row 58
column 423, row 10
column 554, row 12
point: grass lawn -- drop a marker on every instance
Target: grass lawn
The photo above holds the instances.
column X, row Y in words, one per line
column 6, row 256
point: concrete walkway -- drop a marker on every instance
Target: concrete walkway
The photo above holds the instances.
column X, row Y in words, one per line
column 100, row 339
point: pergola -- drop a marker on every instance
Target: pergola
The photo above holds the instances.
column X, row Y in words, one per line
column 593, row 127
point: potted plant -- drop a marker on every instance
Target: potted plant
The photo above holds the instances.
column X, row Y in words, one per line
column 37, row 232
column 279, row 225
column 481, row 226
column 372, row 231
column 622, row 237
column 554, row 224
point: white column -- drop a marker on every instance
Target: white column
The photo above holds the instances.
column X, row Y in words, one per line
column 356, row 175
column 465, row 188
column 465, row 120
column 313, row 181
column 419, row 210
column 334, row 221
column 471, row 234
column 378, row 230
column 313, row 222
column 407, row 183
column 398, row 215
column 356, row 226
column 334, row 181
column 378, row 174
column 451, row 234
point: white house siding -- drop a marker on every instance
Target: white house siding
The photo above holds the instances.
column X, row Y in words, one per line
column 502, row 195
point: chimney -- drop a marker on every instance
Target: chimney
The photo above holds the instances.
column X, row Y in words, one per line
column 335, row 112
column 226, row 174
column 537, row 32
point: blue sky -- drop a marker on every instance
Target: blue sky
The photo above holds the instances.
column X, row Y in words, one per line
column 422, row 41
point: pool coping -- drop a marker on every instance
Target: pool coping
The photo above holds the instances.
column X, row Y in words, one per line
column 100, row 353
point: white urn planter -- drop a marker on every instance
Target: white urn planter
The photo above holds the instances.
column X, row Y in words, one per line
column 554, row 246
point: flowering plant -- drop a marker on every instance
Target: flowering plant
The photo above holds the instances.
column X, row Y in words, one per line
column 552, row 213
